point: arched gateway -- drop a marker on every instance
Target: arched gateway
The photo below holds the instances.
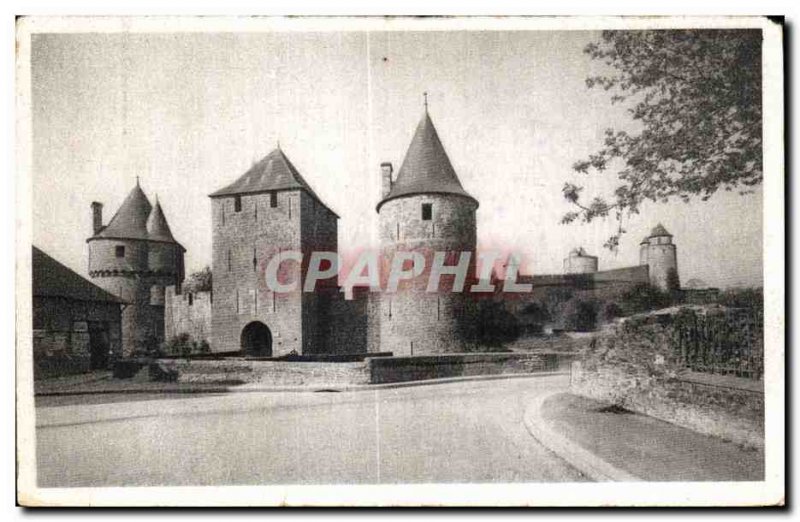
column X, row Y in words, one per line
column 257, row 339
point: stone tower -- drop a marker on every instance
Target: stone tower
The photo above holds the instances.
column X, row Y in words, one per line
column 135, row 257
column 268, row 210
column 659, row 253
column 579, row 262
column 425, row 210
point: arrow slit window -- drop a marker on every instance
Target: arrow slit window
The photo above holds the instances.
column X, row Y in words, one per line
column 427, row 211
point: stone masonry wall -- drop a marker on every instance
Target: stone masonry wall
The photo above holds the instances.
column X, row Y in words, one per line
column 374, row 370
column 351, row 326
column 319, row 232
column 268, row 373
column 662, row 259
column 243, row 243
column 132, row 278
column 400, row 369
column 411, row 319
column 61, row 333
column 188, row 312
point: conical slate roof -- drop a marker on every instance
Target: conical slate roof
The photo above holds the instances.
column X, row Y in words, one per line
column 273, row 172
column 157, row 227
column 426, row 168
column 580, row 252
column 659, row 231
column 130, row 221
column 137, row 219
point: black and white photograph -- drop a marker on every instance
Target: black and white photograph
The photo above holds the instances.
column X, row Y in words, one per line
column 385, row 261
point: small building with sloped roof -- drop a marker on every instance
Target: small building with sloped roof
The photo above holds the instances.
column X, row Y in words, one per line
column 77, row 325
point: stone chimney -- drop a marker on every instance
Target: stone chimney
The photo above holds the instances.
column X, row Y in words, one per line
column 386, row 178
column 97, row 216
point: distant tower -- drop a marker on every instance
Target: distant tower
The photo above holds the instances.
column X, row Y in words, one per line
column 579, row 262
column 268, row 210
column 425, row 209
column 134, row 257
column 660, row 254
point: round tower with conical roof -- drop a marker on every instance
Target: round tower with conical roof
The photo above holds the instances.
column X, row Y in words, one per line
column 579, row 262
column 135, row 257
column 660, row 255
column 425, row 210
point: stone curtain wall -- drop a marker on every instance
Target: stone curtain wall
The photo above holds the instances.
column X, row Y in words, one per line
column 182, row 317
column 608, row 285
column 611, row 284
column 346, row 323
column 318, row 232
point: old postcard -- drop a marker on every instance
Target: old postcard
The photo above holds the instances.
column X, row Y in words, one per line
column 400, row 261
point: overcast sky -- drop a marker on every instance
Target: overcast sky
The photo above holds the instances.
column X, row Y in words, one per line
column 189, row 113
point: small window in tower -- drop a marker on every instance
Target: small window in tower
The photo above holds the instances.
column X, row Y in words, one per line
column 119, row 250
column 237, row 203
column 273, row 199
column 427, row 211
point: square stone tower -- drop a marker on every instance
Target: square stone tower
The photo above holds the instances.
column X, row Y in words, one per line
column 269, row 210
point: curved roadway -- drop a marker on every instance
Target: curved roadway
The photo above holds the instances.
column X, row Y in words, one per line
column 455, row 432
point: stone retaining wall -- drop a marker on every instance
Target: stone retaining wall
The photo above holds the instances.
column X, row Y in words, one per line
column 416, row 368
column 374, row 370
column 268, row 373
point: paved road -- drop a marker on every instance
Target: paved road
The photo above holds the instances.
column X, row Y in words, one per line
column 457, row 432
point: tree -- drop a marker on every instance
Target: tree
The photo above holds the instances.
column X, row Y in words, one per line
column 752, row 298
column 696, row 97
column 200, row 281
column 496, row 326
column 536, row 312
column 610, row 311
column 643, row 298
column 580, row 315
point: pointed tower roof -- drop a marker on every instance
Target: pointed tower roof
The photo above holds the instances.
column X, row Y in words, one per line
column 130, row 221
column 426, row 168
column 580, row 252
column 659, row 231
column 273, row 172
column 157, row 227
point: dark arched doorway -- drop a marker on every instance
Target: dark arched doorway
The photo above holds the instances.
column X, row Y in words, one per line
column 257, row 339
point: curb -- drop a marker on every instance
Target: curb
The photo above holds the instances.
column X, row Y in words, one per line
column 575, row 455
column 311, row 389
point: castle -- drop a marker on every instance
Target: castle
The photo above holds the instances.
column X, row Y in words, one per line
column 272, row 209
